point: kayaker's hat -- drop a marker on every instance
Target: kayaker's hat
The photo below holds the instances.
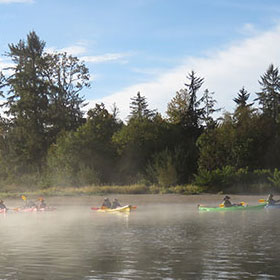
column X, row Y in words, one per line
column 226, row 197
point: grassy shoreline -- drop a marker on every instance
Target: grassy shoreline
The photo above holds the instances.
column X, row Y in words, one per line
column 135, row 189
column 102, row 190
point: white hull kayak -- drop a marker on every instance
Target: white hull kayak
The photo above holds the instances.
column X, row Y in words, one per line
column 126, row 208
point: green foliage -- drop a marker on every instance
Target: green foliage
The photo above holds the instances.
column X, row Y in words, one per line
column 139, row 108
column 269, row 96
column 87, row 155
column 179, row 189
column 137, row 142
column 184, row 109
column 218, row 178
column 275, row 178
column 42, row 100
column 162, row 170
column 46, row 140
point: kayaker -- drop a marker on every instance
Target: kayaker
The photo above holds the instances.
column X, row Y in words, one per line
column 28, row 203
column 271, row 201
column 42, row 203
column 106, row 203
column 116, row 204
column 227, row 202
column 2, row 205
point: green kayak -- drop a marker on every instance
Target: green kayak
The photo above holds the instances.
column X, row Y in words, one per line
column 233, row 208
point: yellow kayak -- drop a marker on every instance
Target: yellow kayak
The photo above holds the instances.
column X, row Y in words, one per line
column 126, row 208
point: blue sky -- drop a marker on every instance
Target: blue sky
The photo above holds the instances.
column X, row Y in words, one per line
column 151, row 45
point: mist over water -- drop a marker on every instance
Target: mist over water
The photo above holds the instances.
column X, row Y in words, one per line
column 159, row 240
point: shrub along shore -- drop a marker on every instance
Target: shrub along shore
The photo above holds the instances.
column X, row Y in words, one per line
column 134, row 189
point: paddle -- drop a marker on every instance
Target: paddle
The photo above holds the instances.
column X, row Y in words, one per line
column 262, row 200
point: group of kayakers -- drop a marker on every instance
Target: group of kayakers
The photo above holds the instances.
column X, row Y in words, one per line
column 107, row 203
column 31, row 204
column 227, row 203
column 28, row 203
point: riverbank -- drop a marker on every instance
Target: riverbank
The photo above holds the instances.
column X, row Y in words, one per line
column 101, row 190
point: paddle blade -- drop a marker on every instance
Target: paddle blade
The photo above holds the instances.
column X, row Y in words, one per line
column 262, row 200
column 243, row 203
column 221, row 205
column 23, row 197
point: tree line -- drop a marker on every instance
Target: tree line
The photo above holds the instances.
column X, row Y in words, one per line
column 47, row 140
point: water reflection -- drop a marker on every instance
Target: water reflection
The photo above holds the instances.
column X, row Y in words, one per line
column 153, row 242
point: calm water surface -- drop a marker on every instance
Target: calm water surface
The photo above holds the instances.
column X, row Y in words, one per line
column 157, row 241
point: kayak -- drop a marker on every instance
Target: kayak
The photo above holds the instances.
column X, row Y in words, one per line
column 98, row 208
column 126, row 208
column 275, row 206
column 31, row 209
column 35, row 209
column 47, row 209
column 232, row 208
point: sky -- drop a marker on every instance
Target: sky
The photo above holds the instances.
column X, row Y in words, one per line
column 151, row 45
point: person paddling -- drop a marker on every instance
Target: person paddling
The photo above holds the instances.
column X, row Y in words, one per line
column 42, row 204
column 106, row 203
column 116, row 204
column 2, row 205
column 28, row 203
column 227, row 202
column 271, row 201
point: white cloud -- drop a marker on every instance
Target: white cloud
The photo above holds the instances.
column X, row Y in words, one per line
column 78, row 50
column 6, row 64
column 74, row 50
column 15, row 1
column 225, row 72
column 104, row 58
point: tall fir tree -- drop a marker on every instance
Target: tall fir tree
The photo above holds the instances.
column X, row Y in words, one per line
column 269, row 96
column 139, row 108
column 42, row 100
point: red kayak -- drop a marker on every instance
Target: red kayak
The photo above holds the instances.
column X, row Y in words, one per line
column 31, row 209
column 4, row 210
column 47, row 209
column 35, row 209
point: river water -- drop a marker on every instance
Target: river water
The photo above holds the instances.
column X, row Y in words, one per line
column 164, row 238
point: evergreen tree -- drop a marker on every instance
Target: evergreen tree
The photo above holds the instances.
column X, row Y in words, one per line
column 209, row 109
column 139, row 107
column 42, row 99
column 242, row 98
column 184, row 107
column 66, row 77
column 27, row 103
column 185, row 116
column 269, row 96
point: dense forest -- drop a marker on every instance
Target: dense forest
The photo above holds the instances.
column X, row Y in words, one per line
column 48, row 140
